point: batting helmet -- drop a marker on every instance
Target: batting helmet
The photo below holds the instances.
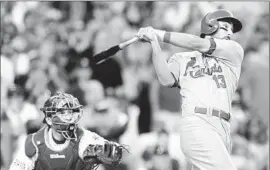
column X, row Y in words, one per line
column 209, row 24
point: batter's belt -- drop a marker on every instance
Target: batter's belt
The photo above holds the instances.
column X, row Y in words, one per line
column 218, row 113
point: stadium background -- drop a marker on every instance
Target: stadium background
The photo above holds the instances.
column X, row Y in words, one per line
column 47, row 47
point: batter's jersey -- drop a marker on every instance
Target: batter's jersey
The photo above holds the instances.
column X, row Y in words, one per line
column 208, row 80
column 55, row 156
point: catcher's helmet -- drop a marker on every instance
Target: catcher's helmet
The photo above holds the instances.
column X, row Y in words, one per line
column 65, row 111
column 209, row 24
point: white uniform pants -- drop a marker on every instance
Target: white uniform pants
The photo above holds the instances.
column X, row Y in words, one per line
column 206, row 142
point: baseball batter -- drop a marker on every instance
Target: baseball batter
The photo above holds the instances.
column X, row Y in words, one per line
column 207, row 77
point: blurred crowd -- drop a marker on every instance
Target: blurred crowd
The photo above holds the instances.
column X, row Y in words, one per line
column 48, row 47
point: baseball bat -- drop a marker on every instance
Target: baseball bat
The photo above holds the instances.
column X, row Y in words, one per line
column 106, row 54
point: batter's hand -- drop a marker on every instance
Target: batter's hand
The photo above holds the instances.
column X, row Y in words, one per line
column 146, row 34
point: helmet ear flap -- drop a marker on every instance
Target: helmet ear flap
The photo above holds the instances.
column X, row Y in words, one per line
column 208, row 25
column 213, row 23
column 213, row 26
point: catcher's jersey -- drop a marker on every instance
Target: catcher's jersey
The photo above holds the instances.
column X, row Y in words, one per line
column 208, row 80
column 54, row 156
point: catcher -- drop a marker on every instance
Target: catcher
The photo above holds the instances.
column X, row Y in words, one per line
column 61, row 144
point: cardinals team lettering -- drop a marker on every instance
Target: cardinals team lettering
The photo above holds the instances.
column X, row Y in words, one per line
column 195, row 71
column 202, row 71
column 198, row 71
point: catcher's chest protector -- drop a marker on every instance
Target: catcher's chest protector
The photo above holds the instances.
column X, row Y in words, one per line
column 67, row 159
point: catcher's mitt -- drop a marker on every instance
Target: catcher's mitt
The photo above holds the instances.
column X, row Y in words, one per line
column 110, row 153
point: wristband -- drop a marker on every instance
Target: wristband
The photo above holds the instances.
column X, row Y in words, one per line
column 167, row 37
column 160, row 34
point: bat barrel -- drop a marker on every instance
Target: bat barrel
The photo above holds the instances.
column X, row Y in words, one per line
column 105, row 55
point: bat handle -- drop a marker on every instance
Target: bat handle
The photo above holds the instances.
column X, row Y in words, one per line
column 128, row 42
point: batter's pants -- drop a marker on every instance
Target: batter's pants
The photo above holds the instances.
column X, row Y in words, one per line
column 206, row 142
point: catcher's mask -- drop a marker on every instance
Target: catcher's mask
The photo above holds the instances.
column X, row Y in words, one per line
column 65, row 111
column 209, row 23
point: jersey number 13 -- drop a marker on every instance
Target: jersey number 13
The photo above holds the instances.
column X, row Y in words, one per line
column 220, row 81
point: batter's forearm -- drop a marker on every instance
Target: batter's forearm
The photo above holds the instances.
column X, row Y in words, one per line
column 160, row 64
column 188, row 41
